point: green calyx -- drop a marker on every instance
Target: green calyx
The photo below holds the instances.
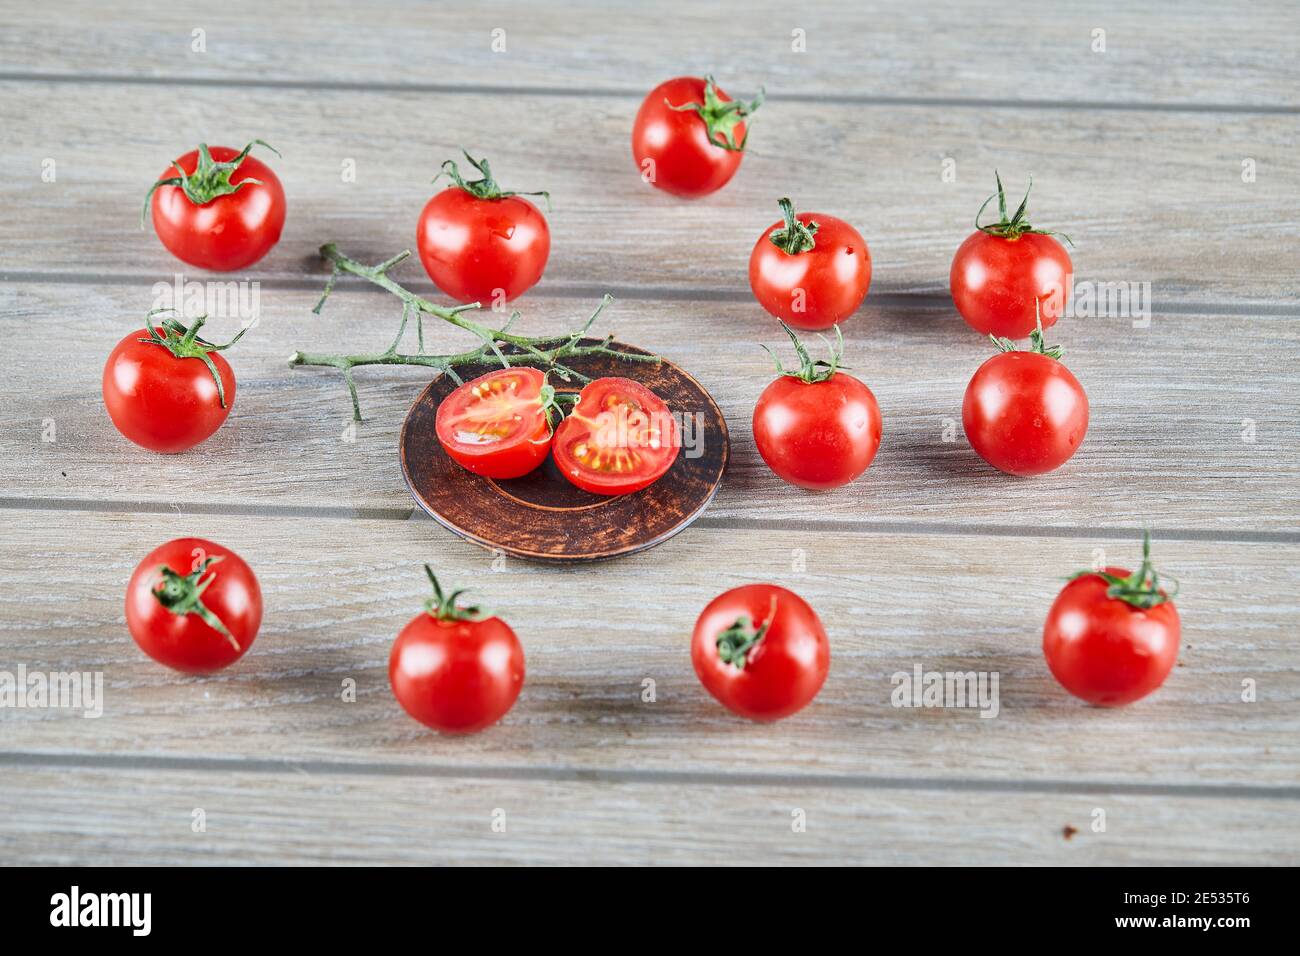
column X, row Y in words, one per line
column 1141, row 588
column 1035, row 343
column 485, row 188
column 810, row 371
column 797, row 236
column 1015, row 226
column 209, row 180
column 444, row 607
column 735, row 642
column 722, row 116
column 185, row 343
column 183, row 594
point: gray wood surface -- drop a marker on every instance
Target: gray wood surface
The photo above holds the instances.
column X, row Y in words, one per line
column 930, row 559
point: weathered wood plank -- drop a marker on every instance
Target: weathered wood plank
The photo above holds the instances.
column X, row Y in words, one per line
column 1202, row 53
column 70, row 817
column 1192, row 418
column 338, row 592
column 1134, row 190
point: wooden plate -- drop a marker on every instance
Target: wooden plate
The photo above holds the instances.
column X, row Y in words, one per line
column 543, row 517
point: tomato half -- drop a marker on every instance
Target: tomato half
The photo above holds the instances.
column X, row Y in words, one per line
column 479, row 243
column 159, row 390
column 761, row 651
column 1024, row 412
column 497, row 424
column 1112, row 637
column 810, row 270
column 454, row 670
column 619, row 438
column 214, row 217
column 689, row 136
column 193, row 605
column 1008, row 276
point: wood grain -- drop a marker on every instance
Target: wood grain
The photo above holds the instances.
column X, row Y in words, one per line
column 1135, row 191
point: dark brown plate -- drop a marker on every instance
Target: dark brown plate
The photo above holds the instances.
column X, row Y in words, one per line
column 541, row 516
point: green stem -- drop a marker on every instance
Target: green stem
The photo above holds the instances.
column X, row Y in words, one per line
column 796, row 237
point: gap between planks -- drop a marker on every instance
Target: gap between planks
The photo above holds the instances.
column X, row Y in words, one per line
column 843, row 99
column 672, row 778
column 840, row 526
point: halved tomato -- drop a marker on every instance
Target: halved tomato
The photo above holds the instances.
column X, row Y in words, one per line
column 619, row 438
column 498, row 425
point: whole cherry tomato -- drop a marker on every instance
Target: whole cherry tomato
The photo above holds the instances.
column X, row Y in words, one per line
column 1024, row 412
column 761, row 651
column 817, row 427
column 1008, row 276
column 811, row 270
column 619, row 438
column 1111, row 637
column 689, row 136
column 193, row 605
column 499, row 424
column 479, row 243
column 223, row 212
column 165, row 388
column 453, row 669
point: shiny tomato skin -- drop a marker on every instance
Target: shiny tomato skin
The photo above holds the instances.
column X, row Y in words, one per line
column 457, row 677
column 618, row 417
column 996, row 282
column 230, row 232
column 816, row 288
column 1024, row 413
column 817, row 435
column 1104, row 650
column 185, row 642
column 477, row 250
column 161, row 402
column 783, row 672
column 518, row 411
column 686, row 164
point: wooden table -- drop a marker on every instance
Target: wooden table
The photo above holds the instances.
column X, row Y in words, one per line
column 1143, row 153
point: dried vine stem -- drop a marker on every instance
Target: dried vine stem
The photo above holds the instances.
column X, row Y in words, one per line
column 502, row 345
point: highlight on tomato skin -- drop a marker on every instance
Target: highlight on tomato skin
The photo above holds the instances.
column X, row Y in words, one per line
column 619, row 438
column 498, row 424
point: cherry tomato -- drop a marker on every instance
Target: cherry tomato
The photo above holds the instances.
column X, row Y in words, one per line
column 193, row 605
column 810, row 270
column 479, row 243
column 1008, row 276
column 1024, row 412
column 223, row 212
column 817, row 427
column 1112, row 637
column 761, row 651
column 619, row 438
column 453, row 669
column 689, row 136
column 498, row 425
column 165, row 388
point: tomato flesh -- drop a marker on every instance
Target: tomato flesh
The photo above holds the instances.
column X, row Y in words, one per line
column 495, row 425
column 672, row 148
column 818, row 287
column 482, row 250
column 619, row 438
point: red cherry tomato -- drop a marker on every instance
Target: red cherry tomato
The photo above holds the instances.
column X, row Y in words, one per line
column 810, row 270
column 193, row 605
column 159, row 390
column 1024, row 412
column 453, row 670
column 619, row 438
column 497, row 425
column 214, row 217
column 1007, row 276
column 817, row 427
column 761, row 651
column 480, row 244
column 689, row 136
column 1112, row 637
